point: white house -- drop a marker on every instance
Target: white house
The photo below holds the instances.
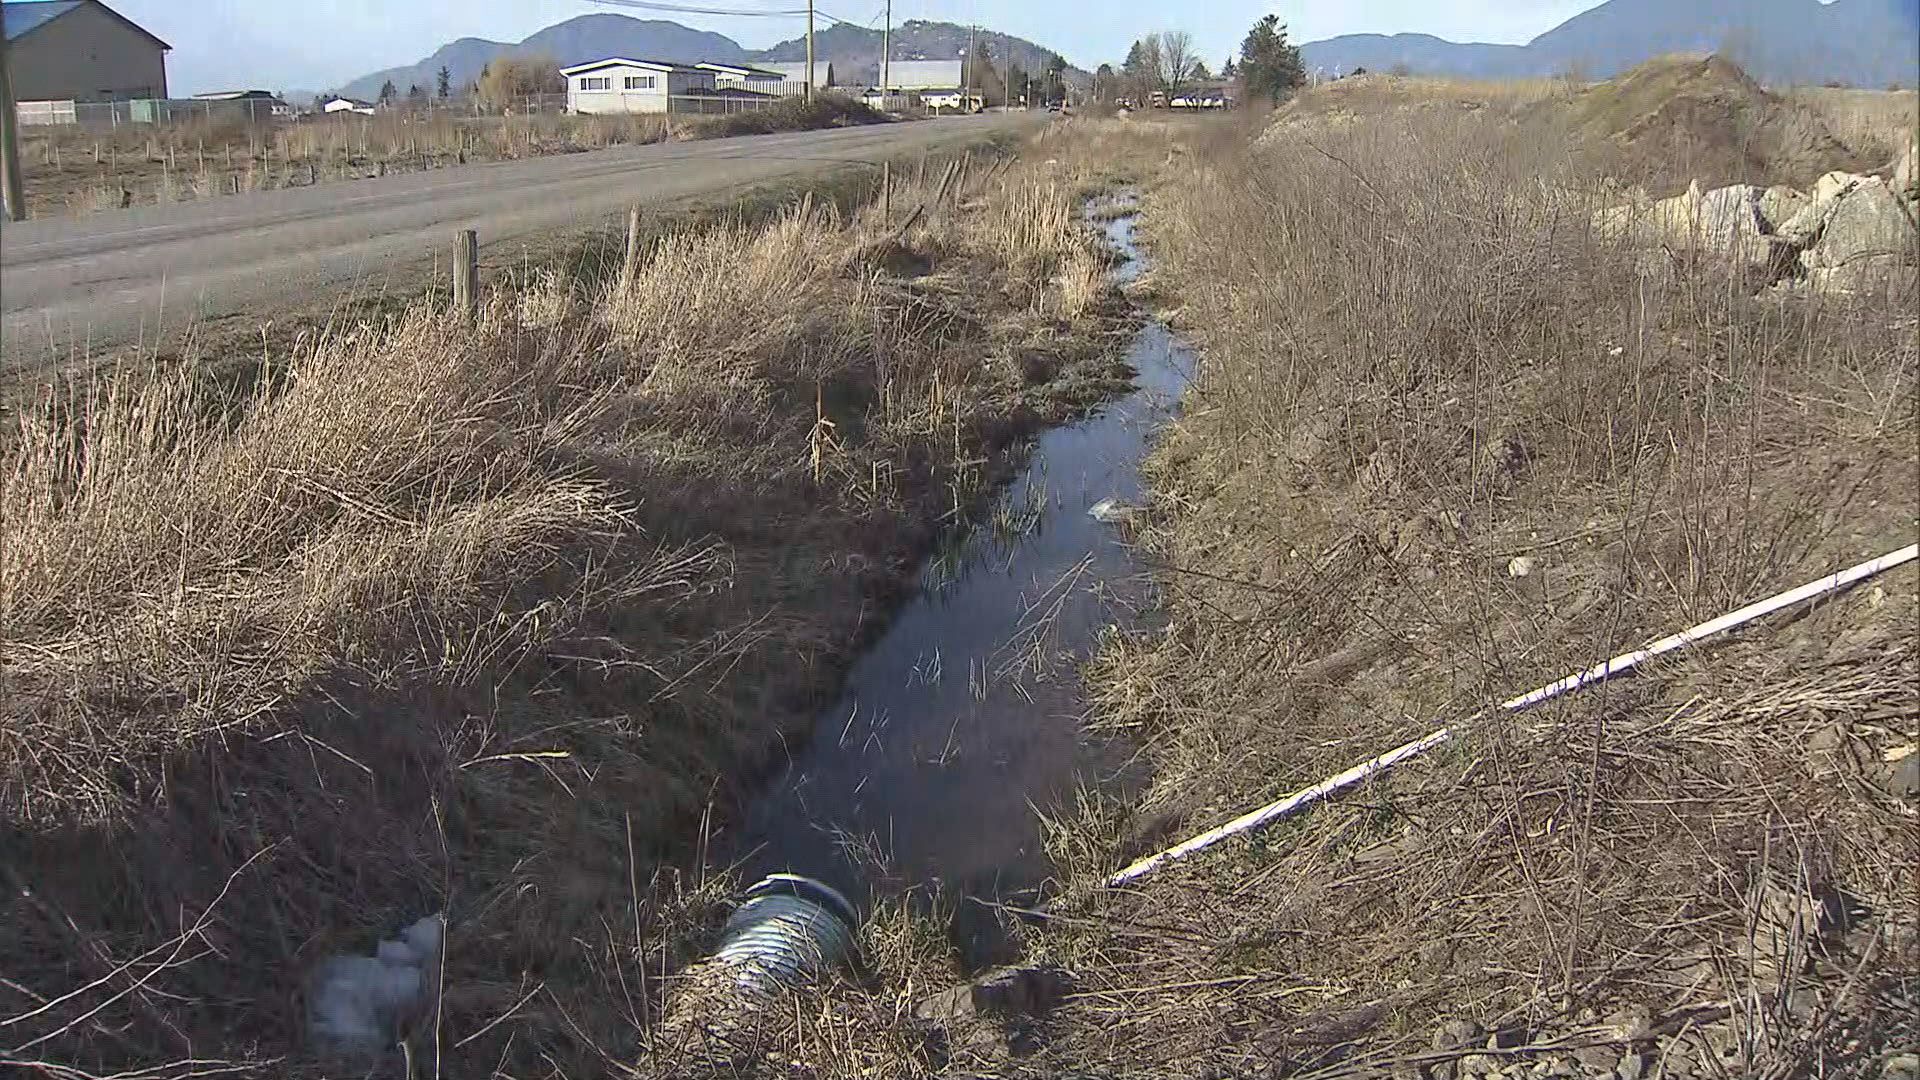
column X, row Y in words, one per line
column 620, row 85
column 346, row 105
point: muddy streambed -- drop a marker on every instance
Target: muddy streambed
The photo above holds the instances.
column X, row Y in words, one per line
column 966, row 716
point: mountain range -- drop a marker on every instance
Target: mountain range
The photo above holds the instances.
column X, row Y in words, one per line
column 1869, row 43
column 854, row 50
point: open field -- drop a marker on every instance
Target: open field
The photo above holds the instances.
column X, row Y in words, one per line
column 73, row 289
column 71, row 171
column 481, row 617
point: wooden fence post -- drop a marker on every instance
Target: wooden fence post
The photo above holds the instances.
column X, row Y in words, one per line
column 466, row 273
column 886, row 191
column 631, row 265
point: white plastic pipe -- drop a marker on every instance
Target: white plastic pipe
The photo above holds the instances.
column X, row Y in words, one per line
column 1598, row 673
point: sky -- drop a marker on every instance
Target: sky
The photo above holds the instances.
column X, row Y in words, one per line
column 319, row 44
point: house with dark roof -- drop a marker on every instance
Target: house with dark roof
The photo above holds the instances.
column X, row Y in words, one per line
column 81, row 50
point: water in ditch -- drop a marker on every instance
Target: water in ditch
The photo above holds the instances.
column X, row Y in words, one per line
column 965, row 717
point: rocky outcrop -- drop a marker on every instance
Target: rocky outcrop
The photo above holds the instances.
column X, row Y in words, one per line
column 1779, row 204
column 1723, row 221
column 1868, row 222
column 1852, row 233
column 1906, row 172
column 1863, row 238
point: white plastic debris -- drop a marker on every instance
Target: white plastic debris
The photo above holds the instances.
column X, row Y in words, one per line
column 1521, row 566
column 1112, row 512
column 359, row 1004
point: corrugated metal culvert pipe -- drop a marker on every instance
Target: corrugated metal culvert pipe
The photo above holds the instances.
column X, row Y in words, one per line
column 791, row 931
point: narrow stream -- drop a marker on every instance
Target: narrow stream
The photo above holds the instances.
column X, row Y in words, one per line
column 966, row 715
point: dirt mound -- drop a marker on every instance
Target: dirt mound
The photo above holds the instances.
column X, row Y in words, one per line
column 1681, row 118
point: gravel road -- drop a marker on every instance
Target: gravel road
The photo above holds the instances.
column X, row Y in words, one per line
column 113, row 278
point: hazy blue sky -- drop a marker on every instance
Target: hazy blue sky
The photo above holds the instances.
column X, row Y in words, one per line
column 319, row 44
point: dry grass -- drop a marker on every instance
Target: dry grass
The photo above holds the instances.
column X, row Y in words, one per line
column 792, row 114
column 1878, row 123
column 1420, row 365
column 482, row 617
column 75, row 171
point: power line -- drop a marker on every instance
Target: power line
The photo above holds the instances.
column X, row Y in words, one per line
column 689, row 9
column 692, row 9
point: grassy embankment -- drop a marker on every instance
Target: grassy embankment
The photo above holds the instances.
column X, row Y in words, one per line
column 75, row 171
column 1445, row 446
column 485, row 618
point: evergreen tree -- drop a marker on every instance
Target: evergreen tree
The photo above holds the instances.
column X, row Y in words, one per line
column 1270, row 65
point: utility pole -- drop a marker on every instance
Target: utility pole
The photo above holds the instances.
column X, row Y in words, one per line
column 810, row 49
column 9, row 149
column 1006, row 97
column 886, row 57
column 973, row 67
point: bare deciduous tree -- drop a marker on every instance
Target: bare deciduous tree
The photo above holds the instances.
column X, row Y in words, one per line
column 505, row 80
column 1177, row 58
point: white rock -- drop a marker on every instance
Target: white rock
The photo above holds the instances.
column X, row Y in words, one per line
column 1906, row 171
column 1778, row 205
column 1867, row 222
column 1521, row 565
column 424, row 937
column 358, row 1004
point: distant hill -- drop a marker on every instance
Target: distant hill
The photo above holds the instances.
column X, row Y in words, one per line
column 854, row 50
column 1869, row 43
column 588, row 37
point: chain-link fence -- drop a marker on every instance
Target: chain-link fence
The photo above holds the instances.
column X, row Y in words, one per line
column 106, row 115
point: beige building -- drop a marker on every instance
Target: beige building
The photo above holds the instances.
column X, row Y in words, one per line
column 81, row 50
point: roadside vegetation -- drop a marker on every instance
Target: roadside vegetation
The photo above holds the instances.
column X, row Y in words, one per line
column 492, row 618
column 485, row 617
column 78, row 171
column 1449, row 442
column 1451, row 438
column 827, row 110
